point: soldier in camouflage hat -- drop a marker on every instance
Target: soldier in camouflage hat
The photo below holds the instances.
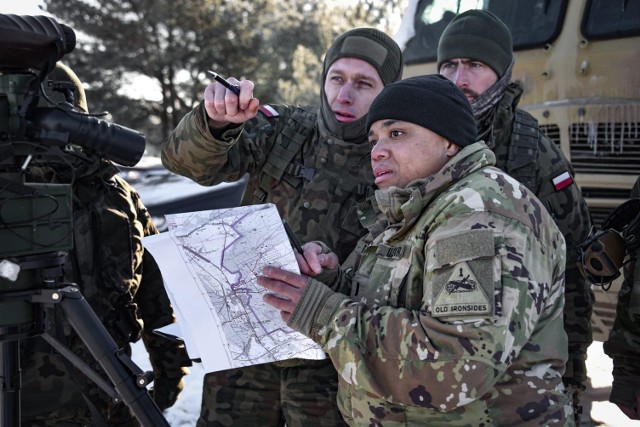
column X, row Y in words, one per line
column 475, row 52
column 313, row 164
column 452, row 312
column 120, row 281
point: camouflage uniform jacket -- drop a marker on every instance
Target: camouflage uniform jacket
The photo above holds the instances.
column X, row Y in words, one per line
column 568, row 209
column 122, row 284
column 623, row 345
column 316, row 191
column 455, row 308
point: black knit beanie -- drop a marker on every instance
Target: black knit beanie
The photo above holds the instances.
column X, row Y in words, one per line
column 479, row 35
column 431, row 101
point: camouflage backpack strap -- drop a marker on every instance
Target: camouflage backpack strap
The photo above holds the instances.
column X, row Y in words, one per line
column 296, row 131
column 525, row 137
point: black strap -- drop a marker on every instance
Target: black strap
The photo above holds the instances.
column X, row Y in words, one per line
column 525, row 137
column 626, row 220
column 17, row 187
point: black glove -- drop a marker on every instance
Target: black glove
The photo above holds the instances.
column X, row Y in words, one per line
column 166, row 390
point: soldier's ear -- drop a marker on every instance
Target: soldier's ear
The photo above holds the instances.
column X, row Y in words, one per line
column 452, row 149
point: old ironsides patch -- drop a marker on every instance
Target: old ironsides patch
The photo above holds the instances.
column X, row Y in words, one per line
column 461, row 295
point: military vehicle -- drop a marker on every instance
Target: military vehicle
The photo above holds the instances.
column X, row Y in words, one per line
column 579, row 63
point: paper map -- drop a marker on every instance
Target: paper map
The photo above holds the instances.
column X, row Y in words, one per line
column 209, row 261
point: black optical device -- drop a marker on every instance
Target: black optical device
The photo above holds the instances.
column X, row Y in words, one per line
column 30, row 48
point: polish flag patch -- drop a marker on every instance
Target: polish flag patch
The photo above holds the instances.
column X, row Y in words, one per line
column 268, row 111
column 563, row 180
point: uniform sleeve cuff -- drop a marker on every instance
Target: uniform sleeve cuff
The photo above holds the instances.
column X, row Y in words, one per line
column 229, row 133
column 316, row 304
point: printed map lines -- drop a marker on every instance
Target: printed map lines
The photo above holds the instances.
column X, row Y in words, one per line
column 222, row 253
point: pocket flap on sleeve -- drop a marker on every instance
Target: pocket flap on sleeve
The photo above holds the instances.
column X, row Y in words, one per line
column 473, row 244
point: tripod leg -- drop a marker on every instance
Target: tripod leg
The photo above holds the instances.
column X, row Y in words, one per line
column 10, row 377
column 114, row 362
column 81, row 366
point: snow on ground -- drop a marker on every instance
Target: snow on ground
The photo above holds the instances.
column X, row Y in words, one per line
column 186, row 410
column 604, row 414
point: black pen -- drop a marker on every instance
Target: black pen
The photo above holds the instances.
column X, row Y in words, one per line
column 217, row 77
column 292, row 237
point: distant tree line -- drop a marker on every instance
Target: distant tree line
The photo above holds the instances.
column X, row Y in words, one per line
column 278, row 44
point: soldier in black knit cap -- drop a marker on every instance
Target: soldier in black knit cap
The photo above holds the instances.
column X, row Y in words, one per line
column 452, row 314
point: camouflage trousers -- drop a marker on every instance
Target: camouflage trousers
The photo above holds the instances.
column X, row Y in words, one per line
column 271, row 395
column 575, row 392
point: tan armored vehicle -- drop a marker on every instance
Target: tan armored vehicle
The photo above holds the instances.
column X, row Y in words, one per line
column 579, row 63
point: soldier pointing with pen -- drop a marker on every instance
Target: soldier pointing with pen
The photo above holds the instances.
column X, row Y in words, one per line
column 314, row 165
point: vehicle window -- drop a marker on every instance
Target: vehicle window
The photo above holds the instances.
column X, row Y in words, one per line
column 533, row 23
column 432, row 16
column 611, row 19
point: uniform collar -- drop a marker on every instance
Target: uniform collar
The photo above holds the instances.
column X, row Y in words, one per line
column 402, row 206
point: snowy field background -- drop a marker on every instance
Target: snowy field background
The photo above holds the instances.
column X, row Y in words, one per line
column 604, row 414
